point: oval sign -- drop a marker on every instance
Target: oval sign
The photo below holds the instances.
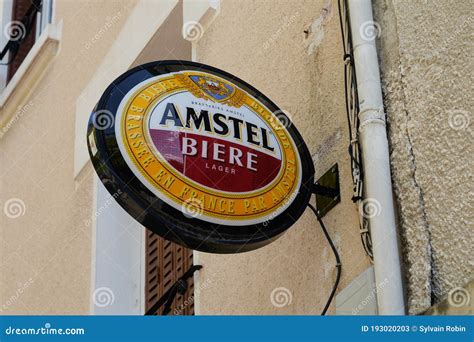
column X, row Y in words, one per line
column 200, row 157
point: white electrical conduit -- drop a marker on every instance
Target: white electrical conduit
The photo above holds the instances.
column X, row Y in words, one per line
column 375, row 156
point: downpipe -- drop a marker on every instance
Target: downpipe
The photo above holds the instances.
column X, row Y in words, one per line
column 375, row 158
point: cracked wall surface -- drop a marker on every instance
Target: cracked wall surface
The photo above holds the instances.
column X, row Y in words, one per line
column 425, row 51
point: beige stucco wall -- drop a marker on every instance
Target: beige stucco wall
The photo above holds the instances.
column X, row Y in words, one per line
column 426, row 50
column 263, row 42
column 45, row 254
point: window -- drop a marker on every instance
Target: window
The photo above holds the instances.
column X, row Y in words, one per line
column 22, row 23
column 165, row 263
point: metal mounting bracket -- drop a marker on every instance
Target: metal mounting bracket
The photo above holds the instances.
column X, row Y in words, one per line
column 327, row 191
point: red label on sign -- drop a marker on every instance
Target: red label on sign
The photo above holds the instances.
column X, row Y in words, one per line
column 216, row 163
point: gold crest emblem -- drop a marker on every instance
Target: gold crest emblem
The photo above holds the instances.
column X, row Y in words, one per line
column 212, row 88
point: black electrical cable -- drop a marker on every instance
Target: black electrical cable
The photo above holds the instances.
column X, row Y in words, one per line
column 352, row 110
column 336, row 255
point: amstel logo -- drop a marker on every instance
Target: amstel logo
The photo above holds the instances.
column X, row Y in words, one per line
column 192, row 137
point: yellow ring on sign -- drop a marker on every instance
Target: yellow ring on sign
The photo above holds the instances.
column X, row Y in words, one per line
column 179, row 188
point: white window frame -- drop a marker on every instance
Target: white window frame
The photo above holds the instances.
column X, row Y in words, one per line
column 45, row 17
column 117, row 288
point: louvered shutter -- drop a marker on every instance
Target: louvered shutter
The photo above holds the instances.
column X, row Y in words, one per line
column 20, row 7
column 165, row 264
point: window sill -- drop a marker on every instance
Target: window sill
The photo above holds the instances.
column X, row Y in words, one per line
column 28, row 75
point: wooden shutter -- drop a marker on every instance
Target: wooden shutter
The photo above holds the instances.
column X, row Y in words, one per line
column 165, row 264
column 18, row 12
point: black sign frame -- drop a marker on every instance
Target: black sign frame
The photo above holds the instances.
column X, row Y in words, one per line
column 158, row 216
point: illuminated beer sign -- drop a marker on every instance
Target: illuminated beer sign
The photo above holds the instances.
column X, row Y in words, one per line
column 201, row 157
